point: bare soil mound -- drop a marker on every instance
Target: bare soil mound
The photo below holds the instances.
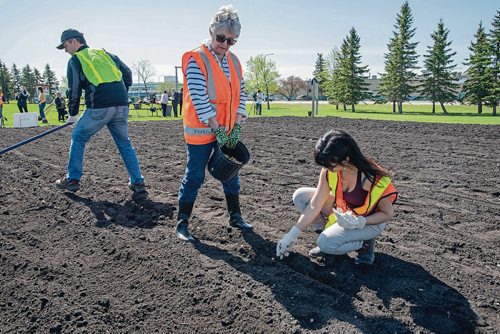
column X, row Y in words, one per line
column 99, row 261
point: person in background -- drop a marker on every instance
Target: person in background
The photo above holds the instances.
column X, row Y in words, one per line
column 106, row 80
column 214, row 111
column 42, row 101
column 175, row 102
column 258, row 102
column 351, row 204
column 164, row 102
column 22, row 99
column 181, row 97
column 61, row 107
column 1, row 108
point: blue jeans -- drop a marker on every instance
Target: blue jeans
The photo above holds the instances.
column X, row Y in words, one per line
column 194, row 176
column 93, row 120
column 41, row 107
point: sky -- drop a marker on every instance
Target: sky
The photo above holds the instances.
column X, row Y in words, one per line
column 293, row 32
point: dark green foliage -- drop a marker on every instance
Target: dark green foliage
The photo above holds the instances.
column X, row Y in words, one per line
column 401, row 60
column 439, row 79
column 479, row 83
column 494, row 40
column 49, row 78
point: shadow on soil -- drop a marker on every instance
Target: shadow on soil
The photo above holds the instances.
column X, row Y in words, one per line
column 139, row 212
column 327, row 289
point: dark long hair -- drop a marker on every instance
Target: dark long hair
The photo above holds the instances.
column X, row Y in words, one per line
column 336, row 145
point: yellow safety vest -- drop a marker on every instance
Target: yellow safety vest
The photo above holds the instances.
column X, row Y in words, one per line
column 98, row 66
column 381, row 188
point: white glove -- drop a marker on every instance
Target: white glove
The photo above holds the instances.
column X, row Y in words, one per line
column 73, row 119
column 286, row 242
column 349, row 221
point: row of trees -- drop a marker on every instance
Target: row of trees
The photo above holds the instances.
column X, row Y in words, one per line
column 342, row 77
column 11, row 80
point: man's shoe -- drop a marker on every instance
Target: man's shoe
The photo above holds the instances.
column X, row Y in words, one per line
column 235, row 218
column 366, row 254
column 316, row 252
column 138, row 187
column 68, row 184
column 44, row 120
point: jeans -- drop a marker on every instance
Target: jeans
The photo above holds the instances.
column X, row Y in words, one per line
column 335, row 239
column 93, row 120
column 258, row 108
column 41, row 108
column 194, row 176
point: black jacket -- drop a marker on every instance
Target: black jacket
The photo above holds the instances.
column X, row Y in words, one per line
column 22, row 98
column 103, row 96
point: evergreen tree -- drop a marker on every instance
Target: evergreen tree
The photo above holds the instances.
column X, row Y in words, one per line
column 439, row 79
column 28, row 80
column 50, row 79
column 494, row 95
column 5, row 81
column 353, row 86
column 37, row 76
column 402, row 59
column 478, row 84
column 320, row 73
column 16, row 77
column 389, row 79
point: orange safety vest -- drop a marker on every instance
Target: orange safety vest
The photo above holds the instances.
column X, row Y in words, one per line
column 224, row 95
column 381, row 188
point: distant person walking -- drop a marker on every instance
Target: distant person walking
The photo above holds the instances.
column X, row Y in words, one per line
column 22, row 99
column 164, row 103
column 42, row 102
column 105, row 79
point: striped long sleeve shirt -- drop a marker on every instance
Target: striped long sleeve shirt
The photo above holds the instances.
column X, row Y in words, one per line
column 197, row 86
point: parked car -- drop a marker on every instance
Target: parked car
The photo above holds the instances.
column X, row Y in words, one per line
column 304, row 98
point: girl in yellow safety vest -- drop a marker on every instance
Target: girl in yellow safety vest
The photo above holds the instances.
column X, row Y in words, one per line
column 350, row 205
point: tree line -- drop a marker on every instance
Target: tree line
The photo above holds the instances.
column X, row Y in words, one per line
column 342, row 76
column 30, row 77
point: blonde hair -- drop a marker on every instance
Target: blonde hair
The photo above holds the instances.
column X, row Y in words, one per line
column 226, row 19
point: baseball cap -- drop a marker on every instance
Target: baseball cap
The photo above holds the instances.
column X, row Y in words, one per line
column 67, row 34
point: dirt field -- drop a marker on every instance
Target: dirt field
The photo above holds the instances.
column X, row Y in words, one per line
column 99, row 262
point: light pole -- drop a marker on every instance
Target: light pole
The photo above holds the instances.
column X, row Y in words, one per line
column 267, row 81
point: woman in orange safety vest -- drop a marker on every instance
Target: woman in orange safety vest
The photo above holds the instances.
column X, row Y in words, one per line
column 214, row 108
column 349, row 207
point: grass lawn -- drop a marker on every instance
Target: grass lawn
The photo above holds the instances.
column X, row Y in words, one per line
column 411, row 112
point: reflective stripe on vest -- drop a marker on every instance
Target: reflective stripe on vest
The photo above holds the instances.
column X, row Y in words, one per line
column 98, row 66
column 382, row 187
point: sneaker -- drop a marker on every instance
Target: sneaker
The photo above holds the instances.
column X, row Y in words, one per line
column 316, row 252
column 138, row 187
column 68, row 184
column 44, row 120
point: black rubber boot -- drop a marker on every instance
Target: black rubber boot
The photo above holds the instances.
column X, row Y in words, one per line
column 233, row 207
column 181, row 228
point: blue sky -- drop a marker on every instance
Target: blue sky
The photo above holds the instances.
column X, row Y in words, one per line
column 293, row 31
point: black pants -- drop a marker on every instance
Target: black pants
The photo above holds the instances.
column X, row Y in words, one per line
column 22, row 107
column 60, row 114
column 174, row 106
column 164, row 109
column 180, row 108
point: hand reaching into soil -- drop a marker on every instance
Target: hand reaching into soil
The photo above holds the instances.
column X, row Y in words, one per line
column 286, row 242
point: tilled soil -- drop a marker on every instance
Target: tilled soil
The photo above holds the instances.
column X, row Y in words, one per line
column 99, row 261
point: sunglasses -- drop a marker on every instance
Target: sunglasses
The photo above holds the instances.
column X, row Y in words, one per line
column 222, row 39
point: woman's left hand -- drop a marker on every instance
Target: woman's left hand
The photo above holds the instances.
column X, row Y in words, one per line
column 234, row 136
